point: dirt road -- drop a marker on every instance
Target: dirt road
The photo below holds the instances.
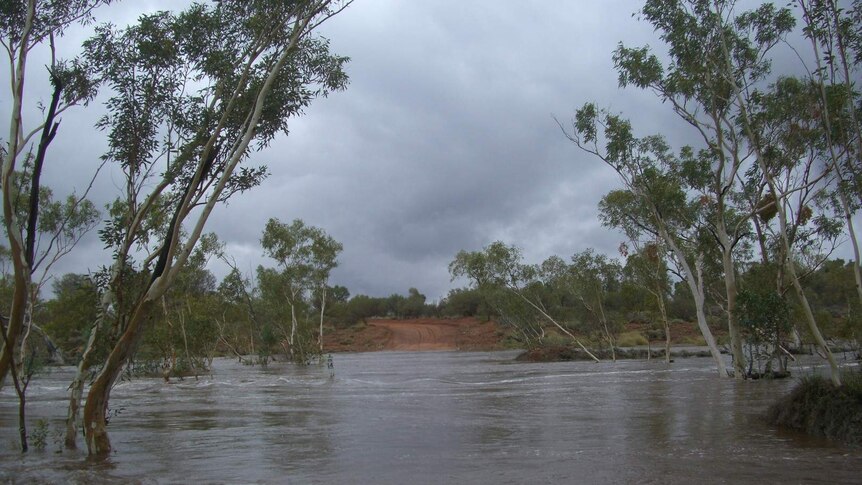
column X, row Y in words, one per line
column 420, row 335
column 416, row 334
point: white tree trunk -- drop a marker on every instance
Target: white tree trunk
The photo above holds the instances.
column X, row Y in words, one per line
column 695, row 284
column 322, row 309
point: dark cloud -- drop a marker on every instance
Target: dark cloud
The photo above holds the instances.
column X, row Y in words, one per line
column 444, row 140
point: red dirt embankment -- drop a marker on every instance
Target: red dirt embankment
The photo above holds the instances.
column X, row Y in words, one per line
column 466, row 333
column 416, row 334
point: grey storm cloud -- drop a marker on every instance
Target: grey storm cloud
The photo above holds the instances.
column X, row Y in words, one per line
column 444, row 140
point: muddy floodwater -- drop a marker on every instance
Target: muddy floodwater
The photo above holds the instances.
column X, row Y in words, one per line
column 434, row 417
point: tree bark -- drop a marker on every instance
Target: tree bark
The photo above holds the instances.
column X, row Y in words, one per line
column 695, row 284
column 322, row 308
column 76, row 388
column 16, row 244
column 731, row 292
column 663, row 312
column 610, row 338
column 96, row 407
column 76, row 392
column 835, row 372
column 22, row 401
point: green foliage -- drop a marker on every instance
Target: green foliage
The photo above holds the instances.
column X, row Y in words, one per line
column 72, row 311
column 763, row 316
column 198, row 103
column 832, row 290
column 510, row 287
column 38, row 437
column 703, row 38
column 360, row 308
column 464, row 302
column 61, row 223
column 583, row 294
column 590, row 282
column 305, row 253
column 50, row 17
column 305, row 256
column 186, row 332
column 363, row 307
column 765, row 319
column 817, row 407
column 413, row 306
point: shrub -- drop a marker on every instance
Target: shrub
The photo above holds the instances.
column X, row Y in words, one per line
column 818, row 408
column 631, row 339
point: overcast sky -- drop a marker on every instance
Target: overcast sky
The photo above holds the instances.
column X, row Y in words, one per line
column 444, row 140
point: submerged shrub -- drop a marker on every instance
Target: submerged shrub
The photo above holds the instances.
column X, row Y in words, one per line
column 818, row 408
column 39, row 435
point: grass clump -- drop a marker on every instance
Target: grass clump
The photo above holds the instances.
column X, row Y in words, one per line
column 631, row 339
column 818, row 408
column 694, row 341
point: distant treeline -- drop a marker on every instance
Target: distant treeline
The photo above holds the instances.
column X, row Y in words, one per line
column 201, row 318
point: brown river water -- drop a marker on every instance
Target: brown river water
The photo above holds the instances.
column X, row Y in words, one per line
column 434, row 417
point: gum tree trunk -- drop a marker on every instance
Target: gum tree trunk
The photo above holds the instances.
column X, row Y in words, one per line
column 96, row 407
column 695, row 285
column 732, row 291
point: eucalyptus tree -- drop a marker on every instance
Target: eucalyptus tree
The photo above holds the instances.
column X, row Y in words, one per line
column 497, row 272
column 306, row 256
column 513, row 288
column 711, row 50
column 796, row 165
column 188, row 320
column 589, row 280
column 761, row 29
column 193, row 94
column 25, row 27
column 59, row 227
column 791, row 189
column 647, row 268
column 834, row 33
column 653, row 203
column 239, row 323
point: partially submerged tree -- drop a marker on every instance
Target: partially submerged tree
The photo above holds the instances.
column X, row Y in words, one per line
column 588, row 280
column 306, row 256
column 186, row 330
column 653, row 203
column 241, row 329
column 647, row 268
column 25, row 26
column 765, row 322
column 193, row 94
column 512, row 288
column 711, row 50
column 834, row 32
column 58, row 230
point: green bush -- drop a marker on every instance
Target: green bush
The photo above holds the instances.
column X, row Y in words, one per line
column 818, row 408
column 39, row 435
